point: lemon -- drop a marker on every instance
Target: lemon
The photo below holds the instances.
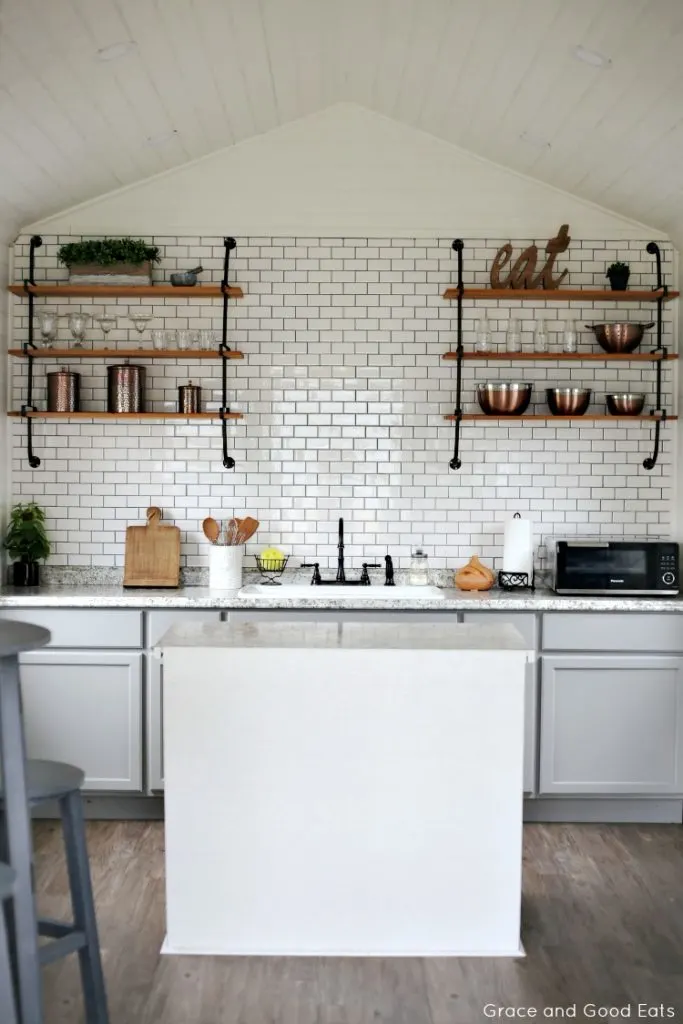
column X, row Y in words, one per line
column 273, row 558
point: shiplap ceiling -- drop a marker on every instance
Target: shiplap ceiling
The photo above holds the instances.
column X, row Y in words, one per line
column 478, row 73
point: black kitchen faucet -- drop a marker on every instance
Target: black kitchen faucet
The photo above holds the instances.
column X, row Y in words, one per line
column 363, row 581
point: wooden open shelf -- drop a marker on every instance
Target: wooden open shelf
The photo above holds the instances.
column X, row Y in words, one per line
column 131, row 415
column 130, row 291
column 561, row 294
column 551, row 357
column 127, row 353
column 540, row 417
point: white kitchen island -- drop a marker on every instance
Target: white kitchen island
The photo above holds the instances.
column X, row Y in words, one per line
column 350, row 789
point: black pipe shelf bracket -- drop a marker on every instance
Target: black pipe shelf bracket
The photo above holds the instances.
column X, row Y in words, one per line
column 456, row 461
column 662, row 292
column 29, row 349
column 228, row 461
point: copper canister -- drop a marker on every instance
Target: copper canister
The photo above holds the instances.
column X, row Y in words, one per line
column 125, row 388
column 189, row 398
column 63, row 391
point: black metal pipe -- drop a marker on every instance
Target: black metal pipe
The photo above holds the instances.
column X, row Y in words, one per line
column 341, row 575
column 228, row 461
column 456, row 461
column 653, row 249
column 29, row 348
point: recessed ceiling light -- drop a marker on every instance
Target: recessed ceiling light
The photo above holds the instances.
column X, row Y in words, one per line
column 162, row 138
column 116, row 50
column 592, row 57
column 537, row 141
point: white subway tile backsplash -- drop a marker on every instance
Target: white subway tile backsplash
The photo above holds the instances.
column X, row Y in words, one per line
column 344, row 390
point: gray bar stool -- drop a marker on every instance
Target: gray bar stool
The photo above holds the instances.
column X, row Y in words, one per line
column 26, row 784
column 7, row 1006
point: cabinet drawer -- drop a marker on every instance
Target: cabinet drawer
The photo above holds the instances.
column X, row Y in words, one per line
column 159, row 622
column 72, row 627
column 605, row 631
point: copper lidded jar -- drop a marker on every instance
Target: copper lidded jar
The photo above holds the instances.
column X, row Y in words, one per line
column 189, row 398
column 125, row 388
column 63, row 391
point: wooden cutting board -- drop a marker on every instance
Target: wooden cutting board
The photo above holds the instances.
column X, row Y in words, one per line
column 152, row 554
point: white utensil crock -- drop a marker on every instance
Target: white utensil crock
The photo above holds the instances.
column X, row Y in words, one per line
column 225, row 566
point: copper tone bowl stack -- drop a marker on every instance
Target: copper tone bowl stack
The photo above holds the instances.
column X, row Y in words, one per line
column 619, row 337
column 568, row 401
column 498, row 399
column 625, row 404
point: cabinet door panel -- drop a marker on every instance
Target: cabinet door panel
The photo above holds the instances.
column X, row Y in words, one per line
column 611, row 631
column 78, row 628
column 85, row 708
column 611, row 725
column 527, row 626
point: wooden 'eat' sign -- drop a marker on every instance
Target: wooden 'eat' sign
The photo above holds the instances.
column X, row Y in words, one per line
column 523, row 273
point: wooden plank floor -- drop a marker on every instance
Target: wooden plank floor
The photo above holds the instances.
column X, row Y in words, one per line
column 603, row 908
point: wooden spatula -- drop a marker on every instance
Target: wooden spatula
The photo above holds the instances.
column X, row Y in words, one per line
column 247, row 529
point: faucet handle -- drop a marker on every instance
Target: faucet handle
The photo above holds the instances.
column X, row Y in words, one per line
column 389, row 571
column 315, row 566
column 365, row 575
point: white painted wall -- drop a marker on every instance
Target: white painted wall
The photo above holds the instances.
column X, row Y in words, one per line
column 343, row 172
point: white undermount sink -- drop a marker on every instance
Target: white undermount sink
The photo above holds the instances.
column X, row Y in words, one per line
column 335, row 591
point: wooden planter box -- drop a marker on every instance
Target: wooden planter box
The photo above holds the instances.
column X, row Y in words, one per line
column 114, row 274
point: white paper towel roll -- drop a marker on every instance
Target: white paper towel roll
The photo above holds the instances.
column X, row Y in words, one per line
column 518, row 548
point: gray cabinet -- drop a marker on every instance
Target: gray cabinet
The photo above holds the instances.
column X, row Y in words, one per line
column 84, row 707
column 527, row 626
column 611, row 725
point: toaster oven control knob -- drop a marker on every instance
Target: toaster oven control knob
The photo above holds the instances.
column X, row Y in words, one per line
column 668, row 578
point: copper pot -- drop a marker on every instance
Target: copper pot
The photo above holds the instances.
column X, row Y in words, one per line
column 63, row 391
column 568, row 401
column 619, row 337
column 503, row 399
column 625, row 404
column 124, row 390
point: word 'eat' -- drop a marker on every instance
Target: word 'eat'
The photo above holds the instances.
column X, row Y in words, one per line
column 522, row 273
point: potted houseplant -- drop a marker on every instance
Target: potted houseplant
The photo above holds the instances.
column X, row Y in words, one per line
column 618, row 274
column 26, row 542
column 113, row 261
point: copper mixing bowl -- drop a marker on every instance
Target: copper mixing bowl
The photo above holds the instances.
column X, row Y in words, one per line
column 568, row 401
column 625, row 404
column 498, row 399
column 619, row 337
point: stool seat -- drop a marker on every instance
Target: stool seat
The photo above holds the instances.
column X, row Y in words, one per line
column 49, row 780
column 7, row 880
column 16, row 637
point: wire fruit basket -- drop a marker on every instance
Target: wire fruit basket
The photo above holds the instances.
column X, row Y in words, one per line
column 271, row 569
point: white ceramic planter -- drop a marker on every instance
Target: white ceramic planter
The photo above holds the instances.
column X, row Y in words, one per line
column 225, row 566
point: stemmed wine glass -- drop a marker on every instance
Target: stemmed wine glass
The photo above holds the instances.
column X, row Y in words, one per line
column 47, row 323
column 140, row 321
column 77, row 324
column 106, row 323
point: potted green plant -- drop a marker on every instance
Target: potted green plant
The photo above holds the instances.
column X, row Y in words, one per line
column 113, row 261
column 26, row 542
column 618, row 274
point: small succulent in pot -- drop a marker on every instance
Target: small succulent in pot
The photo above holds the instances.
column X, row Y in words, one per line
column 26, row 542
column 618, row 274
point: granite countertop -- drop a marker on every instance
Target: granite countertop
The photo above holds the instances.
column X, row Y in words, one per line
column 451, row 636
column 99, row 596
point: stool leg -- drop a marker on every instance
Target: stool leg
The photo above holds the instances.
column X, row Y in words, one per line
column 7, row 1007
column 18, row 827
column 92, row 978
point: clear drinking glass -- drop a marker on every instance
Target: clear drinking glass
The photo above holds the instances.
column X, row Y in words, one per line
column 484, row 336
column 77, row 323
column 419, row 569
column 208, row 340
column 541, row 337
column 106, row 323
column 47, row 323
column 193, row 339
column 140, row 320
column 513, row 338
column 570, row 336
column 170, row 339
column 184, row 339
column 158, row 338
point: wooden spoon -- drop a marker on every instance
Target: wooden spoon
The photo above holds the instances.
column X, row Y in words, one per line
column 248, row 528
column 212, row 530
column 231, row 530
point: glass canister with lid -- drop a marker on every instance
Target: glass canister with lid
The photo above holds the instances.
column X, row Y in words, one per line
column 419, row 569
